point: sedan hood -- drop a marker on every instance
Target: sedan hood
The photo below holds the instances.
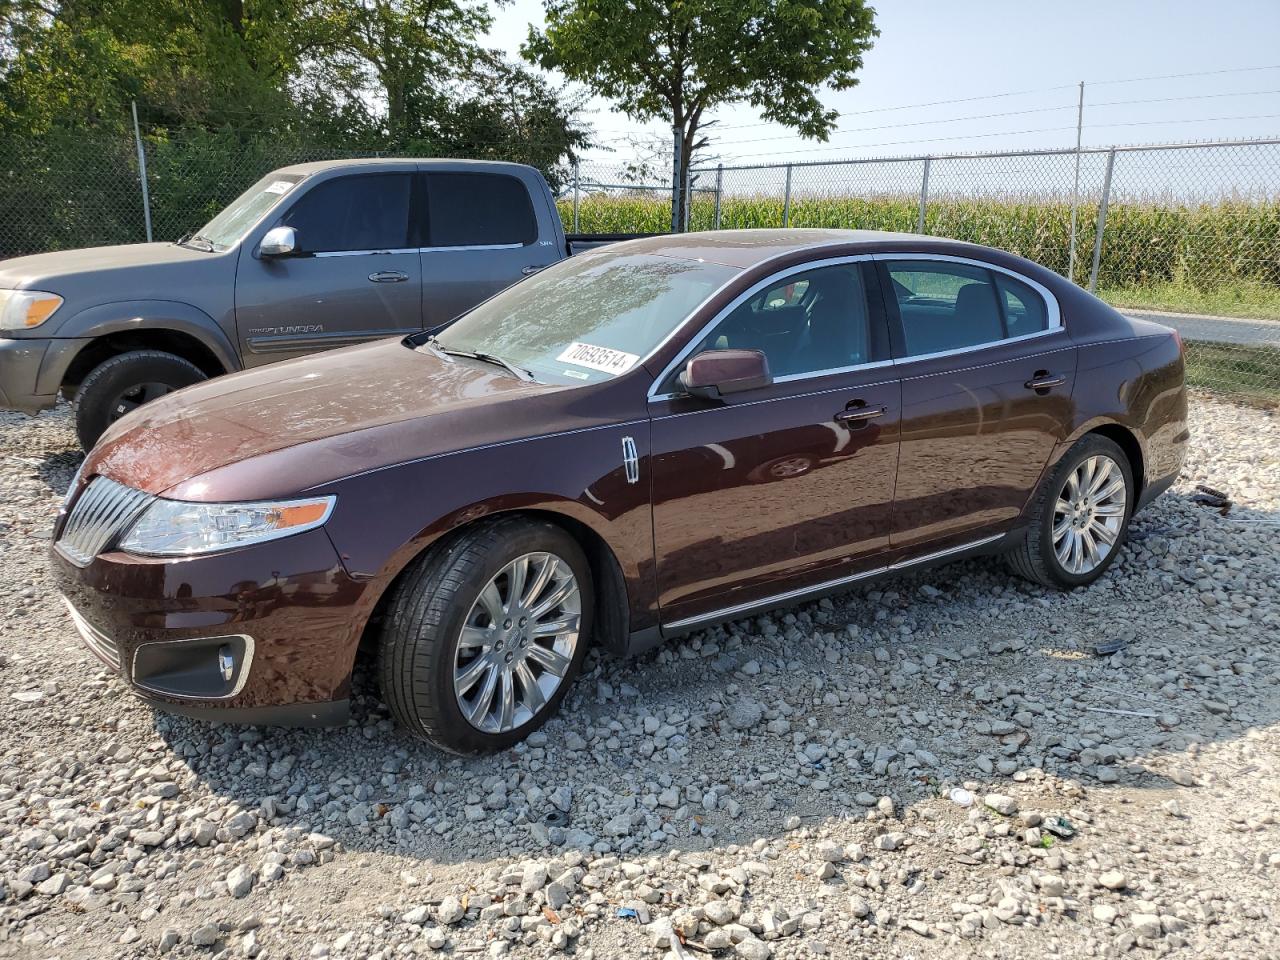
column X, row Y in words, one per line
column 280, row 429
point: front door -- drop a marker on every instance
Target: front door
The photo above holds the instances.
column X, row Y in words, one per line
column 787, row 486
column 482, row 236
column 987, row 373
column 357, row 275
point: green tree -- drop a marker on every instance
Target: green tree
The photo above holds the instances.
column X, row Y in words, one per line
column 678, row 59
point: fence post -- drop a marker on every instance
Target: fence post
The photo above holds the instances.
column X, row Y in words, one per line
column 677, row 180
column 1075, row 188
column 924, row 194
column 142, row 169
column 719, row 187
column 576, row 186
column 1102, row 220
column 786, row 200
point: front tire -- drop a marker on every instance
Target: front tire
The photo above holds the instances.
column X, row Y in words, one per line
column 125, row 382
column 1080, row 517
column 486, row 633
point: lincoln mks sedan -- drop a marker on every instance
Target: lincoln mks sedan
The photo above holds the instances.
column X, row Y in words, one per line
column 630, row 445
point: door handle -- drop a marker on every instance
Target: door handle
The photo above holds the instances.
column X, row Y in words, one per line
column 1044, row 380
column 859, row 414
column 388, row 276
column 530, row 271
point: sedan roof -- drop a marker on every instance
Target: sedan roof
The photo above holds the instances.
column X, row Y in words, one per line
column 747, row 248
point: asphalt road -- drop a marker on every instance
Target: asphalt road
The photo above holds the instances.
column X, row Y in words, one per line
column 1258, row 333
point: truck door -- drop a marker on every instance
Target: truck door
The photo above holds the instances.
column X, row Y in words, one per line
column 481, row 236
column 356, row 276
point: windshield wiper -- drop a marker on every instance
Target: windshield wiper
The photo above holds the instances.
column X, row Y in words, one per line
column 520, row 373
column 197, row 242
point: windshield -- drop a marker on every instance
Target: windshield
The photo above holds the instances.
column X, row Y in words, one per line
column 229, row 226
column 588, row 318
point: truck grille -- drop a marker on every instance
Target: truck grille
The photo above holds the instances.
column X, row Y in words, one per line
column 95, row 639
column 104, row 511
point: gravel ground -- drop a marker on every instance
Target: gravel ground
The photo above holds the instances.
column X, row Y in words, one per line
column 775, row 787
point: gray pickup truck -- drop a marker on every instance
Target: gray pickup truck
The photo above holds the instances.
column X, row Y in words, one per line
column 311, row 257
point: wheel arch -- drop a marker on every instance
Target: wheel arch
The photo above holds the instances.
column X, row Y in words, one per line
column 110, row 329
column 176, row 342
column 1127, row 441
column 613, row 627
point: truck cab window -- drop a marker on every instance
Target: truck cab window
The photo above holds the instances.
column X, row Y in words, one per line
column 478, row 210
column 346, row 214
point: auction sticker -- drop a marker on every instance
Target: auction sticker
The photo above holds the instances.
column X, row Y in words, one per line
column 605, row 359
column 277, row 186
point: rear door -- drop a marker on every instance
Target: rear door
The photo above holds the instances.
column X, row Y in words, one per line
column 482, row 235
column 357, row 274
column 987, row 372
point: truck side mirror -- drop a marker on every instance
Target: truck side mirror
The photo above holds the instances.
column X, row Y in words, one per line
column 279, row 242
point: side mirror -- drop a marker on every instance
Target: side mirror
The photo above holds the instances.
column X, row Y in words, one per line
column 279, row 242
column 714, row 373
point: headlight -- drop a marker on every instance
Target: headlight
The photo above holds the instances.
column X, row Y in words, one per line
column 24, row 309
column 176, row 528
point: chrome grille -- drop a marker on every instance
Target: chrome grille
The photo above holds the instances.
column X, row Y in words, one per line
column 95, row 639
column 104, row 511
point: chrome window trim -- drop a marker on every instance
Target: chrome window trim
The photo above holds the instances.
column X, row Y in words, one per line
column 478, row 246
column 354, row 253
column 1053, row 315
column 726, row 613
column 249, row 650
column 1053, row 312
column 737, row 302
column 737, row 273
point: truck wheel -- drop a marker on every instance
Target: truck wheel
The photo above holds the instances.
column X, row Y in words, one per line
column 486, row 634
column 124, row 383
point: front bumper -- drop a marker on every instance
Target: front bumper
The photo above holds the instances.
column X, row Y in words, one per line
column 20, row 362
column 264, row 634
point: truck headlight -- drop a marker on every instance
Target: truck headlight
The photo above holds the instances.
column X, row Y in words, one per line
column 179, row 528
column 24, row 309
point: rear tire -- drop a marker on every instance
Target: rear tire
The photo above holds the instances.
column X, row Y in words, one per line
column 434, row 681
column 1086, row 499
column 122, row 383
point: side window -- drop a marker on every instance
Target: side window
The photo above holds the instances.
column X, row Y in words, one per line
column 944, row 306
column 478, row 209
column 1024, row 308
column 806, row 323
column 366, row 212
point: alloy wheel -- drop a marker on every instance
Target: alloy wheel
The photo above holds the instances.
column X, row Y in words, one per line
column 517, row 642
column 1089, row 514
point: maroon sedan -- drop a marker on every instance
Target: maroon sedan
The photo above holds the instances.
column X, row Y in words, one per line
column 632, row 444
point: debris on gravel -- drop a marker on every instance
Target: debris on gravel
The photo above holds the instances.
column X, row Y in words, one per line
column 935, row 766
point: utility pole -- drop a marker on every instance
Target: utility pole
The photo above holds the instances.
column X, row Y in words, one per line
column 1075, row 190
column 677, row 179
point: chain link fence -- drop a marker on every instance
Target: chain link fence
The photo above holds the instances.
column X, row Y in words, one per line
column 1186, row 233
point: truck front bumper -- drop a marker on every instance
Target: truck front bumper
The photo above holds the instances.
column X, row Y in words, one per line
column 20, row 362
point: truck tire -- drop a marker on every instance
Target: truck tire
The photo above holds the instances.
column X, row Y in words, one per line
column 486, row 633
column 125, row 382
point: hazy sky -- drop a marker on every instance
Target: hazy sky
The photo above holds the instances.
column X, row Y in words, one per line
column 931, row 50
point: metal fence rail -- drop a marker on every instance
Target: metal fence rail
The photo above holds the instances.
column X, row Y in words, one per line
column 1188, row 232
